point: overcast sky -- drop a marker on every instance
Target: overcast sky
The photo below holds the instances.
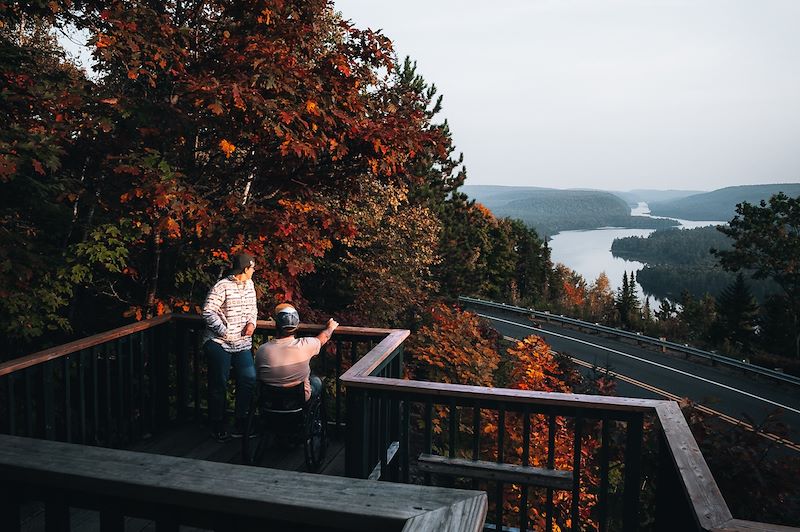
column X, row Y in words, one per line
column 613, row 94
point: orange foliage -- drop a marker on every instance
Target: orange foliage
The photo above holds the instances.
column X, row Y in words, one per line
column 535, row 368
column 486, row 213
column 456, row 347
column 226, row 147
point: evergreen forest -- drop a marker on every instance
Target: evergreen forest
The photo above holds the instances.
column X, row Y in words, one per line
column 681, row 260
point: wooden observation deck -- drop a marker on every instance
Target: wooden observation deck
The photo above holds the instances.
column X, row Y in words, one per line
column 107, row 432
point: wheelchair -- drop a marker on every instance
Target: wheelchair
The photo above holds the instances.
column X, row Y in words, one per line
column 277, row 411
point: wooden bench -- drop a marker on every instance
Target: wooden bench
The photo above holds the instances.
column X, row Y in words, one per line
column 507, row 473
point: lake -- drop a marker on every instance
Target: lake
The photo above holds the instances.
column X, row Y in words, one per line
column 588, row 252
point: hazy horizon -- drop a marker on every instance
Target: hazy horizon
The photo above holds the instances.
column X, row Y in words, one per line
column 616, row 94
column 643, row 189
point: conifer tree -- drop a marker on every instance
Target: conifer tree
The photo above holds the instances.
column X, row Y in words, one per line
column 766, row 243
column 627, row 302
column 737, row 313
column 699, row 316
column 622, row 300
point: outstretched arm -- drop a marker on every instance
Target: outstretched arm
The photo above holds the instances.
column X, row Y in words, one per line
column 326, row 334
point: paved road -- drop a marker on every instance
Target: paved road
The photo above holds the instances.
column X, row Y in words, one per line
column 656, row 375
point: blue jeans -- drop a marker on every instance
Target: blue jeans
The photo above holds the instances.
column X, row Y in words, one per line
column 316, row 387
column 219, row 367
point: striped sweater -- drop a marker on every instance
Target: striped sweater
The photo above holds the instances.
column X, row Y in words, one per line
column 229, row 307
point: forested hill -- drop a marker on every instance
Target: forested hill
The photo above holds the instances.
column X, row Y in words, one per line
column 679, row 260
column 720, row 204
column 633, row 197
column 550, row 210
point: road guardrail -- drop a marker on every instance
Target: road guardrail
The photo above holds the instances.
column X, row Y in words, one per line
column 664, row 344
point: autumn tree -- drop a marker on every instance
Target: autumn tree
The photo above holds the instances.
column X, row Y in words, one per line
column 382, row 275
column 600, row 299
column 454, row 347
column 534, row 367
column 212, row 128
column 42, row 102
column 457, row 347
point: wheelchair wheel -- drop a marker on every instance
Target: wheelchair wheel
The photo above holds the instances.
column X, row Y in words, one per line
column 315, row 441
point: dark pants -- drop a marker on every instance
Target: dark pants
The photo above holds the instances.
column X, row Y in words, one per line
column 219, row 367
column 316, row 387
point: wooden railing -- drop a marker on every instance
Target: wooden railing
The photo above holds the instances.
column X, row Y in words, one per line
column 117, row 387
column 382, row 409
column 129, row 489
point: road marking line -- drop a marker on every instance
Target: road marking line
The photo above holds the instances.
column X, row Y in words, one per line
column 644, row 360
column 725, row 417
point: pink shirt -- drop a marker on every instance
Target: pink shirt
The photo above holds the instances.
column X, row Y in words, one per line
column 284, row 361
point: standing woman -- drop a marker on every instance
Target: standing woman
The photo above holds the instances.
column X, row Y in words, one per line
column 230, row 315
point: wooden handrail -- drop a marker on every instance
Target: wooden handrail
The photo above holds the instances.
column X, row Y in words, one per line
column 201, row 493
column 709, row 508
column 59, row 351
column 369, row 362
column 303, row 328
column 464, row 391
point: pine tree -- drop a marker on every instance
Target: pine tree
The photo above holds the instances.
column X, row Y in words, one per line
column 627, row 302
column 737, row 312
column 623, row 301
column 632, row 297
column 767, row 243
column 666, row 310
column 777, row 326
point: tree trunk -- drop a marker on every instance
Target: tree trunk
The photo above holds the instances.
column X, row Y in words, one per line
column 247, row 186
column 75, row 208
column 152, row 288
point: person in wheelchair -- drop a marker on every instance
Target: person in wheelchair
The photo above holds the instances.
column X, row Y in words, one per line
column 287, row 388
column 284, row 361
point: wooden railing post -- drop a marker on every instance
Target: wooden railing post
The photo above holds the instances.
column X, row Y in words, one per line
column 48, row 401
column 165, row 347
column 357, row 449
column 672, row 508
column 11, row 404
column 633, row 468
column 56, row 512
column 111, row 517
column 181, row 346
column 10, row 505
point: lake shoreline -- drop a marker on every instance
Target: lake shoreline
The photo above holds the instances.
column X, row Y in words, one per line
column 588, row 251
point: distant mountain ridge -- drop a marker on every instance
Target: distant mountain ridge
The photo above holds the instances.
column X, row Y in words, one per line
column 633, row 197
column 550, row 211
column 719, row 204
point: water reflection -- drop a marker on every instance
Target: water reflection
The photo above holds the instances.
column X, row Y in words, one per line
column 589, row 252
